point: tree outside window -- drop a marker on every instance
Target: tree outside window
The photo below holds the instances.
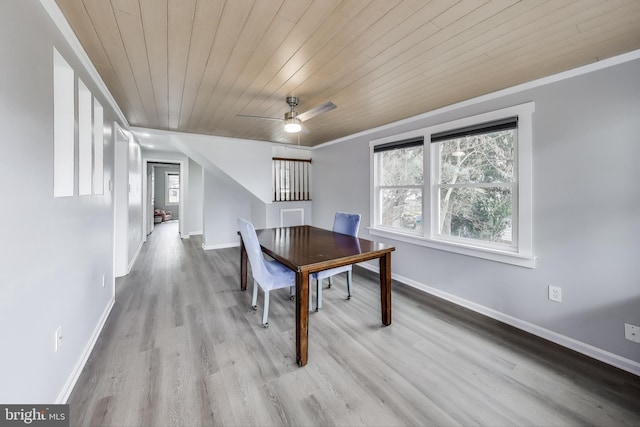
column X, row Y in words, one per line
column 400, row 189
column 476, row 188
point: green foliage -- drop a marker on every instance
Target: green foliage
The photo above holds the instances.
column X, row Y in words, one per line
column 482, row 213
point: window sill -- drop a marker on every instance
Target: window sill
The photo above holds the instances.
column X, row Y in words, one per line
column 484, row 253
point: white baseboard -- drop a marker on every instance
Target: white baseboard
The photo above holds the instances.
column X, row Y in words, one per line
column 568, row 342
column 133, row 259
column 64, row 394
column 220, row 246
column 195, row 233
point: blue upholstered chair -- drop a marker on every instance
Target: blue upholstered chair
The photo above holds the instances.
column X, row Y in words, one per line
column 267, row 274
column 344, row 223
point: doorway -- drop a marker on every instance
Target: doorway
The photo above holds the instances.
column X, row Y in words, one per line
column 164, row 194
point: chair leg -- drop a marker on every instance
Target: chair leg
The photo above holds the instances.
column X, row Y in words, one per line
column 265, row 313
column 319, row 294
column 311, row 297
column 349, row 277
column 292, row 293
column 254, row 301
column 329, row 279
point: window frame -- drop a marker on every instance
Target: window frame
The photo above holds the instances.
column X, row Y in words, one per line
column 167, row 174
column 522, row 253
column 378, row 188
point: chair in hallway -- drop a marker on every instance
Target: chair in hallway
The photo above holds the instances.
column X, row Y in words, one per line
column 269, row 275
column 344, row 223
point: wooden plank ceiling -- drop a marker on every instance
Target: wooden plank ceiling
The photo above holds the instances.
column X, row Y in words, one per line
column 194, row 65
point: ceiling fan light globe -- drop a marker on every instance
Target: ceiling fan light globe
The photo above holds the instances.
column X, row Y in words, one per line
column 292, row 125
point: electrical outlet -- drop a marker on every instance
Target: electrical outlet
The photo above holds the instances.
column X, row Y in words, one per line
column 632, row 332
column 555, row 293
column 58, row 338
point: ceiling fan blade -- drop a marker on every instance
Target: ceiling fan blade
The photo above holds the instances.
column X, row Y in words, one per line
column 322, row 108
column 258, row 117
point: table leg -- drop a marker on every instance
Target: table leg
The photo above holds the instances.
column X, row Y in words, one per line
column 243, row 266
column 302, row 317
column 385, row 288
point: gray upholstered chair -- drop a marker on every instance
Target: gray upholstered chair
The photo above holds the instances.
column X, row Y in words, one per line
column 268, row 274
column 344, row 223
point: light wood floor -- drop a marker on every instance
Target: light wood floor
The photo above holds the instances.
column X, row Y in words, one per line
column 183, row 347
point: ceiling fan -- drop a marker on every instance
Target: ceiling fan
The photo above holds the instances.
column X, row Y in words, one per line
column 293, row 120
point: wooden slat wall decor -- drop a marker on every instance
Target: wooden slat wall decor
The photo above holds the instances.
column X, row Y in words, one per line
column 291, row 179
column 194, row 65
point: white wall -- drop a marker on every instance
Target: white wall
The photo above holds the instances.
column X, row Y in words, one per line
column 53, row 251
column 224, row 201
column 196, row 193
column 586, row 182
column 247, row 162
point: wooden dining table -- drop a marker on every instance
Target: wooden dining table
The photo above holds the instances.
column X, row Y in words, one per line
column 306, row 250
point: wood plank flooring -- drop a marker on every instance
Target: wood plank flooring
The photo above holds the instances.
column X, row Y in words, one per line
column 182, row 347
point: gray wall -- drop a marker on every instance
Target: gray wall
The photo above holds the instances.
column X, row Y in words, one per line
column 160, row 186
column 586, row 210
column 53, row 251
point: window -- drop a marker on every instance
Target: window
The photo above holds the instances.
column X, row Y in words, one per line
column 98, row 148
column 291, row 179
column 400, row 184
column 475, row 183
column 467, row 191
column 172, row 188
column 63, row 127
column 85, row 155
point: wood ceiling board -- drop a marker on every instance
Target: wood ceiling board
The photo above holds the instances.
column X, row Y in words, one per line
column 448, row 56
column 354, row 62
column 205, row 28
column 401, row 54
column 104, row 21
column 390, row 85
column 530, row 33
column 309, row 22
column 118, row 92
column 131, row 7
column 515, row 70
column 377, row 40
column 626, row 13
column 457, row 12
column 130, row 27
column 312, row 52
column 155, row 26
column 329, row 64
column 258, row 22
column 181, row 15
column 235, row 103
column 232, row 21
column 293, row 10
column 76, row 14
column 378, row 61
